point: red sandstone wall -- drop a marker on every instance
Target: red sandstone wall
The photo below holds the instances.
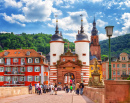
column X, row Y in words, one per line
column 95, row 94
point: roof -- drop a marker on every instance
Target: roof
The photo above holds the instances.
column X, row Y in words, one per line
column 19, row 53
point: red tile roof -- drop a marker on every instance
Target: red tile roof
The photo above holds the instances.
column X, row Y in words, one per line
column 20, row 53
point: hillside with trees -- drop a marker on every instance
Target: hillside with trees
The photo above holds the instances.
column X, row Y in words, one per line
column 40, row 42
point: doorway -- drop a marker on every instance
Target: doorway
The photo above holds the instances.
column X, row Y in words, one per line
column 69, row 78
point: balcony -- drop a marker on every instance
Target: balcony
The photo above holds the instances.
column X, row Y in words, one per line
column 13, row 83
column 14, row 64
column 14, row 73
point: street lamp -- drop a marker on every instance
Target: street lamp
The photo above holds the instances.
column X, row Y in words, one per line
column 109, row 32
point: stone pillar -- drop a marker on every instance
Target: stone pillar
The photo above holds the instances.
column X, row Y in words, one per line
column 117, row 91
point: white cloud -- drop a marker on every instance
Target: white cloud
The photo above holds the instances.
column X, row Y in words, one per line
column 33, row 11
column 50, row 25
column 11, row 19
column 102, row 37
column 13, row 3
column 127, row 3
column 126, row 18
column 101, row 23
column 73, row 22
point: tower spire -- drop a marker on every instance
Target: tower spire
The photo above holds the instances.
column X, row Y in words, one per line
column 82, row 30
column 57, row 29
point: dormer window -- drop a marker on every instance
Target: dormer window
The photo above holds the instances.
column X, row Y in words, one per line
column 28, row 53
column 29, row 60
column 5, row 53
column 36, row 60
column 15, row 60
column 73, row 59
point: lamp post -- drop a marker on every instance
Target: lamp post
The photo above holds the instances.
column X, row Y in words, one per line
column 109, row 32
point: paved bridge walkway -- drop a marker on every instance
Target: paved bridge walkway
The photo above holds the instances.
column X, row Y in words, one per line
column 61, row 97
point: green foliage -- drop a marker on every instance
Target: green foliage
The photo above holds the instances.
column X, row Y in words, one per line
column 103, row 56
column 128, row 78
column 118, row 45
column 38, row 42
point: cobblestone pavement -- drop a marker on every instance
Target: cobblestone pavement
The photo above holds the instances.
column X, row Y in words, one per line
column 62, row 97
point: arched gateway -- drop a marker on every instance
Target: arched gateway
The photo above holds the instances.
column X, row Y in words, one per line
column 68, row 69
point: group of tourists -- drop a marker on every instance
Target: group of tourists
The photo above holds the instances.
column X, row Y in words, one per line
column 44, row 88
column 78, row 88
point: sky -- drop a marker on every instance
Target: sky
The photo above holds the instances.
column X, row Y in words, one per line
column 36, row 16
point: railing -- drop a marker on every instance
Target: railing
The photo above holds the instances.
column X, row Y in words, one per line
column 12, row 83
column 14, row 64
column 14, row 73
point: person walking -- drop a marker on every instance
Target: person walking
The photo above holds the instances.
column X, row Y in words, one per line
column 77, row 88
column 52, row 89
column 66, row 88
column 55, row 89
column 81, row 88
column 30, row 89
column 71, row 88
column 37, row 86
column 39, row 89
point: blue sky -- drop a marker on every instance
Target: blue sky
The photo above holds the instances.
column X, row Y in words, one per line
column 36, row 16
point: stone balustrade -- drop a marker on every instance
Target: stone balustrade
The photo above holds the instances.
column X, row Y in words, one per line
column 95, row 94
column 14, row 91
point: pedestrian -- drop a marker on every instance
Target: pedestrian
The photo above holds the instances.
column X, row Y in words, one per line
column 30, row 89
column 66, row 88
column 45, row 88
column 81, row 88
column 77, row 88
column 41, row 87
column 52, row 89
column 55, row 89
column 39, row 90
column 37, row 87
column 71, row 88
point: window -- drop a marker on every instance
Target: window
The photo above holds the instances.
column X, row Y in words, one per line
column 1, row 60
column 123, row 65
column 63, row 59
column 73, row 67
column 98, row 68
column 118, row 65
column 1, row 69
column 129, row 72
column 28, row 53
column 118, row 72
column 36, row 60
column 8, row 78
column 113, row 65
column 37, row 69
column 29, row 60
column 63, row 67
column 83, row 54
column 54, row 54
column 22, row 69
column 1, row 78
column 123, row 58
column 91, row 68
column 114, row 72
column 22, row 78
column 73, row 59
column 30, row 78
column 124, row 72
column 8, row 69
column 129, row 65
column 84, row 62
column 15, row 60
column 30, row 69
column 37, row 78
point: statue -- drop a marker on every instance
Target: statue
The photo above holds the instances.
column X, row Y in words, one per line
column 95, row 66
